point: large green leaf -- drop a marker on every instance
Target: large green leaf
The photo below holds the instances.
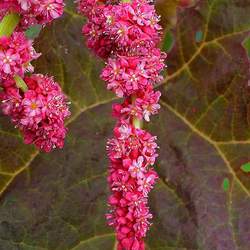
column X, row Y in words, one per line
column 57, row 201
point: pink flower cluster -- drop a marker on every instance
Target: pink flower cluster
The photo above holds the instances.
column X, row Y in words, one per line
column 16, row 53
column 128, row 28
column 35, row 104
column 33, row 11
column 132, row 152
column 39, row 112
column 141, row 107
column 125, row 75
column 126, row 36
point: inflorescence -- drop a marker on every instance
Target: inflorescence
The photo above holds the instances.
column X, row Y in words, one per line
column 126, row 35
column 34, row 102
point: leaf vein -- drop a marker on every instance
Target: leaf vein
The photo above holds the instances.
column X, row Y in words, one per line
column 212, row 142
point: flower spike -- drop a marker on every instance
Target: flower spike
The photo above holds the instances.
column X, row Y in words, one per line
column 35, row 103
column 126, row 35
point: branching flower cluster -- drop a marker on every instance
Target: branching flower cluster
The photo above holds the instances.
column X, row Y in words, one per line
column 126, row 36
column 35, row 103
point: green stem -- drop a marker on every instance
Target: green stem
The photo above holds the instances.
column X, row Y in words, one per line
column 20, row 83
column 137, row 123
column 8, row 24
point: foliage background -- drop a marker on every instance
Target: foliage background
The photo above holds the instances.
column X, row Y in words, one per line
column 57, row 201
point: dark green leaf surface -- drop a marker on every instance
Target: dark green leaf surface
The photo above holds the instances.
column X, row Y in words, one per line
column 57, row 201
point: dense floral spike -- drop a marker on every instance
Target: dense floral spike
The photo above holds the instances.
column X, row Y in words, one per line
column 126, row 35
column 142, row 107
column 125, row 28
column 132, row 25
column 125, row 75
column 35, row 104
column 132, row 152
column 33, row 11
column 16, row 53
column 39, row 112
column 97, row 39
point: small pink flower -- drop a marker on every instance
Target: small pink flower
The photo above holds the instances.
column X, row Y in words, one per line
column 142, row 224
column 137, row 169
column 146, row 183
column 26, row 4
column 32, row 106
column 50, row 9
column 115, row 149
column 8, row 61
column 125, row 131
